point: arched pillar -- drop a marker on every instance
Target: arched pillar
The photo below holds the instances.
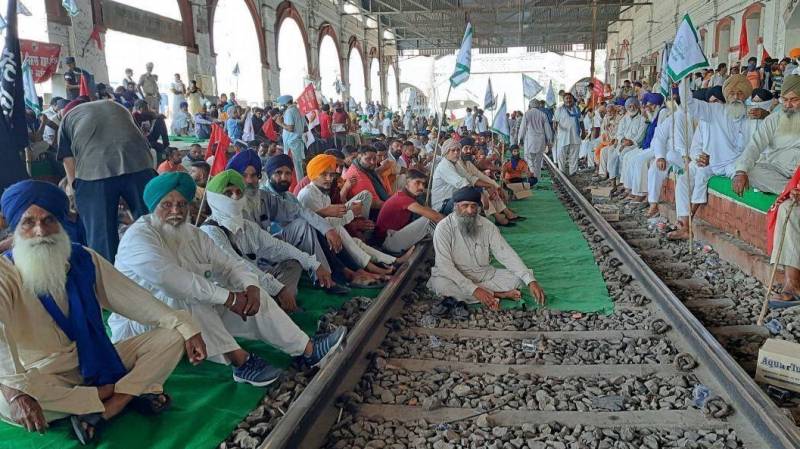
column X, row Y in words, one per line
column 286, row 10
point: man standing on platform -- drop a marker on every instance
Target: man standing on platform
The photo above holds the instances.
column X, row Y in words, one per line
column 465, row 244
column 148, row 84
column 293, row 123
column 536, row 133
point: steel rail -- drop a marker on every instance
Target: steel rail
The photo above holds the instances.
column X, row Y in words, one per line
column 772, row 426
column 298, row 428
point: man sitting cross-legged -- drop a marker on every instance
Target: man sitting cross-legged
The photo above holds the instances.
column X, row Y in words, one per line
column 183, row 267
column 277, row 263
column 465, row 243
column 55, row 357
column 395, row 230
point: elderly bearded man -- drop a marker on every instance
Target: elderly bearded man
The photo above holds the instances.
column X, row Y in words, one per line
column 288, row 220
column 630, row 131
column 728, row 128
column 772, row 155
column 465, row 243
column 277, row 263
column 183, row 267
column 55, row 357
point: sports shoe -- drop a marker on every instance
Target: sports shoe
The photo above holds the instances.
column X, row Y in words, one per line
column 256, row 371
column 324, row 345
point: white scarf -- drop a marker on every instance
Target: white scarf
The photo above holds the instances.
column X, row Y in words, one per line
column 226, row 211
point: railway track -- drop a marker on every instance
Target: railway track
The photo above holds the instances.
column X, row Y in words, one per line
column 536, row 379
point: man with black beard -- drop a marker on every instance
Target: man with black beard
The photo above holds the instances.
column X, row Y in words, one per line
column 55, row 357
column 465, row 244
column 290, row 221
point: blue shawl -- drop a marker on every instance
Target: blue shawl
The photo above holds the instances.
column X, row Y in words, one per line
column 98, row 360
column 651, row 131
column 575, row 113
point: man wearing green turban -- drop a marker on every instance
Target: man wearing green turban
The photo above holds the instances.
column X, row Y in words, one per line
column 181, row 266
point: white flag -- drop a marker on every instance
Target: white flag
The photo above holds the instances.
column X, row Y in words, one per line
column 686, row 55
column 22, row 9
column 550, row 97
column 71, row 6
column 665, row 82
column 500, row 125
column 236, row 70
column 3, row 23
column 530, row 87
column 31, row 99
column 489, row 99
column 464, row 59
column 412, row 99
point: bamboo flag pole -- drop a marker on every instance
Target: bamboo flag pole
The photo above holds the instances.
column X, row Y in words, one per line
column 775, row 266
column 437, row 146
column 686, row 159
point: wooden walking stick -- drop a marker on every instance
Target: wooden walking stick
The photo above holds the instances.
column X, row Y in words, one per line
column 775, row 266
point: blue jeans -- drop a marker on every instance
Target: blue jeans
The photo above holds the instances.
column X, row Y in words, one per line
column 98, row 207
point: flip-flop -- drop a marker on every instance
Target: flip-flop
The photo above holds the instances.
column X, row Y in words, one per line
column 150, row 404
column 784, row 304
column 94, row 420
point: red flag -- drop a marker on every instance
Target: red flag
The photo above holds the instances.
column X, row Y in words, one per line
column 213, row 139
column 84, row 89
column 221, row 153
column 307, row 101
column 744, row 46
column 95, row 36
column 764, row 54
column 269, row 130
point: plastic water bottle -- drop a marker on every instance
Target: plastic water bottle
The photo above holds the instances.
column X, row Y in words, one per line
column 700, row 395
column 435, row 342
column 774, row 326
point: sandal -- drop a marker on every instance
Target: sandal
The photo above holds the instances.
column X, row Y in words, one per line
column 150, row 403
column 92, row 420
column 778, row 303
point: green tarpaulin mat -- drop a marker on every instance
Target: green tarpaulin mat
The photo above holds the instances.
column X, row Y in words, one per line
column 757, row 200
column 552, row 246
column 206, row 403
column 188, row 139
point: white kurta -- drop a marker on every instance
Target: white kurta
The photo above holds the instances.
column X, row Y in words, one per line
column 769, row 158
column 635, row 163
column 536, row 133
column 447, row 178
column 197, row 278
column 726, row 137
column 463, row 262
column 631, row 128
column 664, row 147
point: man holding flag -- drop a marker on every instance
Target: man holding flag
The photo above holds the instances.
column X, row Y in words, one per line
column 13, row 129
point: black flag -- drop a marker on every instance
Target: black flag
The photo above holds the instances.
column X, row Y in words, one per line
column 13, row 128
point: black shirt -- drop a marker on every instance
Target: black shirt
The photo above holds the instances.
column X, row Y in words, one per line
column 73, row 76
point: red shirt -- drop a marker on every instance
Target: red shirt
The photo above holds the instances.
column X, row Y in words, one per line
column 325, row 126
column 394, row 214
column 340, row 118
column 168, row 167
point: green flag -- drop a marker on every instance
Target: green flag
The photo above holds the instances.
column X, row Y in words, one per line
column 500, row 125
column 464, row 59
column 686, row 54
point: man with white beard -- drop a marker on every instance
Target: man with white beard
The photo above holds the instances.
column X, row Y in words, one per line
column 669, row 146
column 728, row 128
column 772, row 155
column 55, row 357
column 183, row 267
column 277, row 263
column 465, row 243
column 630, row 131
column 536, row 133
column 635, row 162
column 566, row 122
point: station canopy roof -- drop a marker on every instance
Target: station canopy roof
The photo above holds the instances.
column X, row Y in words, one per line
column 437, row 26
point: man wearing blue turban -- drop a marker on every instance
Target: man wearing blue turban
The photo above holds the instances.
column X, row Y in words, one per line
column 635, row 162
column 184, row 268
column 55, row 364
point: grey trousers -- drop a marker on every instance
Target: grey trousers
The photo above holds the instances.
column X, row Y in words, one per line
column 303, row 237
column 403, row 239
column 769, row 178
column 288, row 273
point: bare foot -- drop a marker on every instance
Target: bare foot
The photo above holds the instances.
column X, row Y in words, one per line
column 405, row 257
column 652, row 211
column 372, row 268
column 679, row 234
column 500, row 219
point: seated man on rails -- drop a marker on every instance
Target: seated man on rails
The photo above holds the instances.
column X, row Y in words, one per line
column 493, row 196
column 298, row 225
column 465, row 243
column 395, row 229
column 367, row 179
column 277, row 263
column 773, row 153
column 57, row 360
column 322, row 171
column 182, row 267
column 516, row 169
column 728, row 129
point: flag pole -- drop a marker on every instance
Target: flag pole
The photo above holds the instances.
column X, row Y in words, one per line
column 686, row 159
column 437, row 146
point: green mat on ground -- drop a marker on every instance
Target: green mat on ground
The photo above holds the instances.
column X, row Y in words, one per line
column 188, row 139
column 206, row 403
column 554, row 248
column 757, row 200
